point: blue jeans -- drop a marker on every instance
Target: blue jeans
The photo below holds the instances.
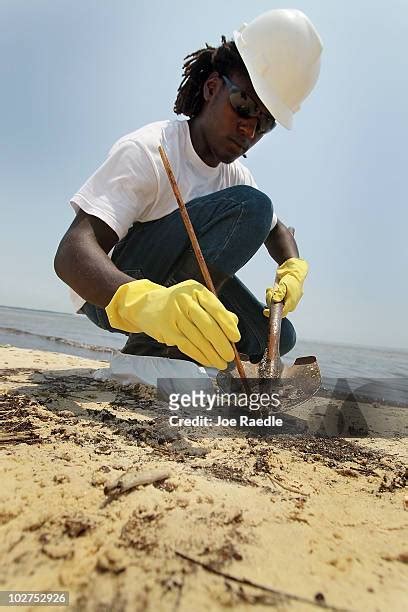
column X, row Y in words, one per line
column 231, row 225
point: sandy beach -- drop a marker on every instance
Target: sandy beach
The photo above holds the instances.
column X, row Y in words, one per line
column 227, row 522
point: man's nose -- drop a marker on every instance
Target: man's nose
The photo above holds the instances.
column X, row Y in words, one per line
column 248, row 127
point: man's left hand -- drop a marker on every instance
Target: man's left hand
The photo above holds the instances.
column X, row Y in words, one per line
column 288, row 286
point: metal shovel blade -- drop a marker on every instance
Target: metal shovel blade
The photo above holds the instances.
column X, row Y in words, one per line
column 296, row 384
column 290, row 385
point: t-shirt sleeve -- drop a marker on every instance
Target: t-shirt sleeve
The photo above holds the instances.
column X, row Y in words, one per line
column 121, row 188
column 247, row 179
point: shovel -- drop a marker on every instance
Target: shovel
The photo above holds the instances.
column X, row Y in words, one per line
column 293, row 385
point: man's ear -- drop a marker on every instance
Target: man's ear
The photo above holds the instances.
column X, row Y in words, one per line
column 211, row 86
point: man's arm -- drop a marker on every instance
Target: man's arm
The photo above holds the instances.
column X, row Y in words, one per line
column 186, row 315
column 291, row 273
column 281, row 244
column 82, row 262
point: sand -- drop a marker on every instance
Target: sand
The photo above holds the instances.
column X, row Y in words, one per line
column 315, row 521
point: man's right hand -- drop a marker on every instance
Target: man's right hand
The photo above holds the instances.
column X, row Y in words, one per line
column 186, row 315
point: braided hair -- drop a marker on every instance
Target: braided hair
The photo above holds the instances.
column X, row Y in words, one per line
column 198, row 66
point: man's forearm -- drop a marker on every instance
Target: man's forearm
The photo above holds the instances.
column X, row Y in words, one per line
column 281, row 244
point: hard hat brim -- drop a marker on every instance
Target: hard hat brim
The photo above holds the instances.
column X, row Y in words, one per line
column 282, row 114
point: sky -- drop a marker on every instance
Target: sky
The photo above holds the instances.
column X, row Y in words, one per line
column 77, row 75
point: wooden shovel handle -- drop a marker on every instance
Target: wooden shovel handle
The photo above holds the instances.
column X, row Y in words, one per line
column 198, row 253
column 275, row 320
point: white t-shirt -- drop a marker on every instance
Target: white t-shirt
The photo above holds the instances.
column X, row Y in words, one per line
column 132, row 184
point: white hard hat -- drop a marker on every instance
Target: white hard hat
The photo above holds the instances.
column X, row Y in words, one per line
column 281, row 50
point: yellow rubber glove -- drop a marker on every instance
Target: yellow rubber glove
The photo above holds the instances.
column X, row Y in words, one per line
column 290, row 277
column 186, row 315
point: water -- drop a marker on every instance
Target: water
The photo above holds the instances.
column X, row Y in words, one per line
column 76, row 335
column 56, row 331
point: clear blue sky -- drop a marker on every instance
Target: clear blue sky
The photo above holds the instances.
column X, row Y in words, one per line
column 77, row 75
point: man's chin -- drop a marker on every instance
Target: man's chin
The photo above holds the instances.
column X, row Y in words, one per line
column 228, row 157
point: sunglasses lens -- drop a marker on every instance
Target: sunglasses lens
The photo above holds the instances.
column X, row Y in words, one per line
column 242, row 104
column 266, row 124
column 246, row 107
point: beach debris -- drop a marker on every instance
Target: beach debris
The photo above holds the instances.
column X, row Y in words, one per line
column 60, row 550
column 319, row 598
column 287, row 487
column 295, row 516
column 61, row 478
column 347, row 471
column 77, row 525
column 281, row 594
column 402, row 557
column 18, row 425
column 132, row 479
column 397, row 480
column 66, row 414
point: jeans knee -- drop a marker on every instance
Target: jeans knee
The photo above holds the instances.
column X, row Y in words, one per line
column 257, row 208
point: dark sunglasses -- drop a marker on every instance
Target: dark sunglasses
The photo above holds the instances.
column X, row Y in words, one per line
column 246, row 107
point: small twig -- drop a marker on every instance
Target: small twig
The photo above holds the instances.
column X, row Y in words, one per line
column 14, row 544
column 387, row 529
column 263, row 587
column 287, row 487
column 131, row 479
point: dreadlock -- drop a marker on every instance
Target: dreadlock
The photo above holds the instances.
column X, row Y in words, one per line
column 197, row 67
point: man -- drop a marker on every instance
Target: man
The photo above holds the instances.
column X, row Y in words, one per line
column 151, row 288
